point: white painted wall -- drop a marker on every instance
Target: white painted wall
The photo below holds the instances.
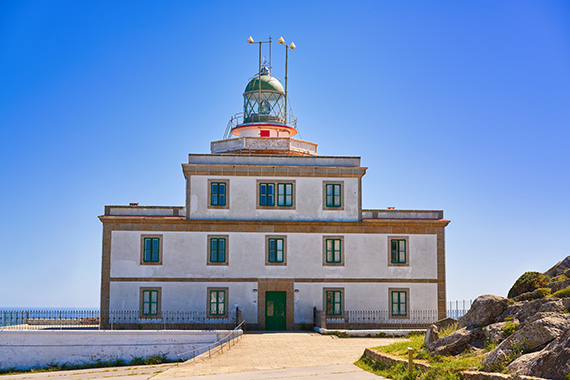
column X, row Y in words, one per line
column 186, row 296
column 185, row 256
column 30, row 349
column 361, row 297
column 243, row 200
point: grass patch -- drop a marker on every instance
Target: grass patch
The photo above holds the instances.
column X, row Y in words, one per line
column 400, row 371
column 448, row 330
column 441, row 364
column 50, row 367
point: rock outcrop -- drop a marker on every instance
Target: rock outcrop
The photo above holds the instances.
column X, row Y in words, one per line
column 530, row 337
column 484, row 311
column 456, row 342
column 559, row 269
column 552, row 362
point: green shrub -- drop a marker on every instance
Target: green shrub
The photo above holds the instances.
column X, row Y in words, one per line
column 562, row 293
column 528, row 282
column 510, row 328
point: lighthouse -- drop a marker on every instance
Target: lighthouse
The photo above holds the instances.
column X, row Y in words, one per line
column 265, row 126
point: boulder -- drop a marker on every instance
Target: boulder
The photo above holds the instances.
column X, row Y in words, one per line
column 432, row 334
column 446, row 323
column 559, row 268
column 552, row 362
column 483, row 312
column 524, row 310
column 566, row 303
column 534, row 295
column 558, row 285
column 494, row 333
column 529, row 338
column 456, row 342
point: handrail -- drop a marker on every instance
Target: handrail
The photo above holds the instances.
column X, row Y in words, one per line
column 215, row 344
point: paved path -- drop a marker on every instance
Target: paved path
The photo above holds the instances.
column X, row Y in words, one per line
column 263, row 351
column 330, row 372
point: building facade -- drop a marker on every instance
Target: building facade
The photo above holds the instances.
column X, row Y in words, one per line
column 270, row 233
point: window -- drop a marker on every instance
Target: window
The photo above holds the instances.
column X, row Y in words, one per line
column 217, row 298
column 150, row 302
column 399, row 303
column 266, row 194
column 276, row 194
column 218, row 193
column 333, row 301
column 276, row 250
column 217, row 250
column 275, row 253
column 284, row 194
column 333, row 195
column 398, row 249
column 332, row 250
column 151, row 249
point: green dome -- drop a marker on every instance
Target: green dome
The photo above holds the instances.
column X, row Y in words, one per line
column 267, row 83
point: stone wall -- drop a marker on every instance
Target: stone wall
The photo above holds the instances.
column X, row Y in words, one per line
column 32, row 349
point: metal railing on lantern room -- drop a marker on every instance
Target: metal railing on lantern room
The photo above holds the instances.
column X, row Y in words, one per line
column 288, row 119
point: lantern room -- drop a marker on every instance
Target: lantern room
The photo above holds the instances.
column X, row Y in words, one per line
column 264, row 113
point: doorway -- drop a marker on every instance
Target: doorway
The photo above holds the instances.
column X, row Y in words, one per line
column 275, row 310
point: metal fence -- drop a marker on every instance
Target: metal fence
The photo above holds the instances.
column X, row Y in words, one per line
column 378, row 319
column 115, row 320
column 456, row 309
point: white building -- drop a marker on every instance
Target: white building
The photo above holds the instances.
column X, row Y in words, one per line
column 275, row 230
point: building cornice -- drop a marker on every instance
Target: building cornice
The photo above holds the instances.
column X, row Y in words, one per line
column 273, row 171
column 180, row 223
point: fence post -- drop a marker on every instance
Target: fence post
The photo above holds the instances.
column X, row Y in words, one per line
column 410, row 360
column 238, row 316
column 314, row 316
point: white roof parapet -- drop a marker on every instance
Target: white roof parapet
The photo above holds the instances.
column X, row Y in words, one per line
column 402, row 214
column 284, row 144
column 136, row 210
column 273, row 160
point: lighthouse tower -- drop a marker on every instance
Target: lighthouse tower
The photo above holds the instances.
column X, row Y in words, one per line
column 265, row 126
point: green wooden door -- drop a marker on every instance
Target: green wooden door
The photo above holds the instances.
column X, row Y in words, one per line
column 275, row 311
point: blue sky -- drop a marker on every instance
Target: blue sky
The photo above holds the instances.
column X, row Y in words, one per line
column 456, row 105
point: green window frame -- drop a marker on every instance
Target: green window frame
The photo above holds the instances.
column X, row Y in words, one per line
column 398, row 251
column 151, row 253
column 333, row 302
column 285, row 194
column 275, row 250
column 217, row 303
column 150, row 303
column 333, row 250
column 218, row 193
column 333, row 195
column 217, row 250
column 267, row 194
column 399, row 300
